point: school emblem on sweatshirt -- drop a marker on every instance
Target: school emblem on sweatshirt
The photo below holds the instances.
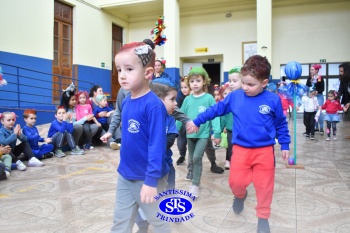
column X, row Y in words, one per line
column 133, row 126
column 264, row 109
column 201, row 109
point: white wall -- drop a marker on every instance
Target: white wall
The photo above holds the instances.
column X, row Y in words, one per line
column 304, row 33
column 25, row 27
column 310, row 33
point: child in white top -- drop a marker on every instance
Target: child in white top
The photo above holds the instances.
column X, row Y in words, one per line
column 311, row 107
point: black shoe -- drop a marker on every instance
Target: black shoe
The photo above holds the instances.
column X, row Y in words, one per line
column 181, row 160
column 118, row 140
column 316, row 130
column 307, row 135
column 321, row 132
column 216, row 169
column 217, row 147
column 189, row 176
column 312, row 137
column 263, row 226
column 238, row 203
column 304, row 133
column 48, row 155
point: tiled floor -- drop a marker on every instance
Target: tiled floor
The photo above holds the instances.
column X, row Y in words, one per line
column 76, row 193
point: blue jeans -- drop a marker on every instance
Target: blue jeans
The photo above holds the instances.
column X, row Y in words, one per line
column 319, row 124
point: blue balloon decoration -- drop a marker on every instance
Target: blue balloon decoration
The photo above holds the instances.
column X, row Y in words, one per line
column 293, row 70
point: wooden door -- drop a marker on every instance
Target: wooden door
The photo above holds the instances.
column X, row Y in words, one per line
column 63, row 47
column 117, row 36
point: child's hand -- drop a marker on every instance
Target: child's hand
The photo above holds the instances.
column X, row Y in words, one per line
column 89, row 117
column 98, row 124
column 65, row 116
column 103, row 114
column 191, row 128
column 5, row 149
column 110, row 113
column 217, row 141
column 285, row 154
column 48, row 140
column 346, row 107
column 297, row 108
column 105, row 137
column 147, row 194
column 17, row 129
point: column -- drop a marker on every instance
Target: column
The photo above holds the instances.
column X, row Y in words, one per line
column 264, row 28
column 171, row 47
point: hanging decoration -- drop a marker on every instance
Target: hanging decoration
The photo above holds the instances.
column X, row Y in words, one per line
column 158, row 38
column 3, row 82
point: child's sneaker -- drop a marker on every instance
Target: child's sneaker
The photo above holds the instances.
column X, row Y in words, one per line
column 312, row 137
column 181, row 160
column 307, row 135
column 7, row 172
column 217, row 147
column 114, row 146
column 227, row 165
column 20, row 166
column 238, row 203
column 321, row 132
column 48, row 155
column 328, row 139
column 59, row 153
column 194, row 190
column 87, row 146
column 335, row 138
column 34, row 162
column 77, row 151
column 263, row 226
column 189, row 176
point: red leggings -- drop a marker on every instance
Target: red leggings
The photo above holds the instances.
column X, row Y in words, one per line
column 255, row 165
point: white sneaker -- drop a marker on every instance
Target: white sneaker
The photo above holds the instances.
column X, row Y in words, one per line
column 34, row 162
column 20, row 166
column 7, row 174
column 194, row 190
column 114, row 146
column 227, row 165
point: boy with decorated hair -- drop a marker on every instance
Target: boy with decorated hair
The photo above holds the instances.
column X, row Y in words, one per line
column 33, row 137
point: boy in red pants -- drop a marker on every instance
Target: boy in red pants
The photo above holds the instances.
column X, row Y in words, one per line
column 259, row 118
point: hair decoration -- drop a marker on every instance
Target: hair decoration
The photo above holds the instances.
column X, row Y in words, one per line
column 158, row 38
column 316, row 66
column 144, row 53
column 162, row 60
column 3, row 82
column 70, row 90
column 99, row 98
column 236, row 69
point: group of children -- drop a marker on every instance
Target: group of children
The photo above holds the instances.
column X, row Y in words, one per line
column 62, row 131
column 251, row 116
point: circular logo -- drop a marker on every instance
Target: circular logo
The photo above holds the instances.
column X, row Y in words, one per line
column 175, row 206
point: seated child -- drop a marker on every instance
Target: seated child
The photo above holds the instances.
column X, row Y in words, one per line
column 102, row 111
column 41, row 152
column 5, row 160
column 9, row 133
column 61, row 131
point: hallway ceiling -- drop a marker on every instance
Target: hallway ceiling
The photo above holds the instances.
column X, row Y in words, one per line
column 142, row 10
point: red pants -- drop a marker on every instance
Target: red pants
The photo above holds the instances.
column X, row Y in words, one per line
column 257, row 165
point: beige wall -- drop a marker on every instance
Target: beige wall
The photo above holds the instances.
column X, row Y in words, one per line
column 305, row 33
column 25, row 27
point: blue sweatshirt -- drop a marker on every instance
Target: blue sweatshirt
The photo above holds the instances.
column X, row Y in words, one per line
column 257, row 119
column 8, row 137
column 142, row 155
column 33, row 136
column 62, row 127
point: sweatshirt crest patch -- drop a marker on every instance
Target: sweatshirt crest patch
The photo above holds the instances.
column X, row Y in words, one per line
column 133, row 126
column 201, row 109
column 264, row 109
